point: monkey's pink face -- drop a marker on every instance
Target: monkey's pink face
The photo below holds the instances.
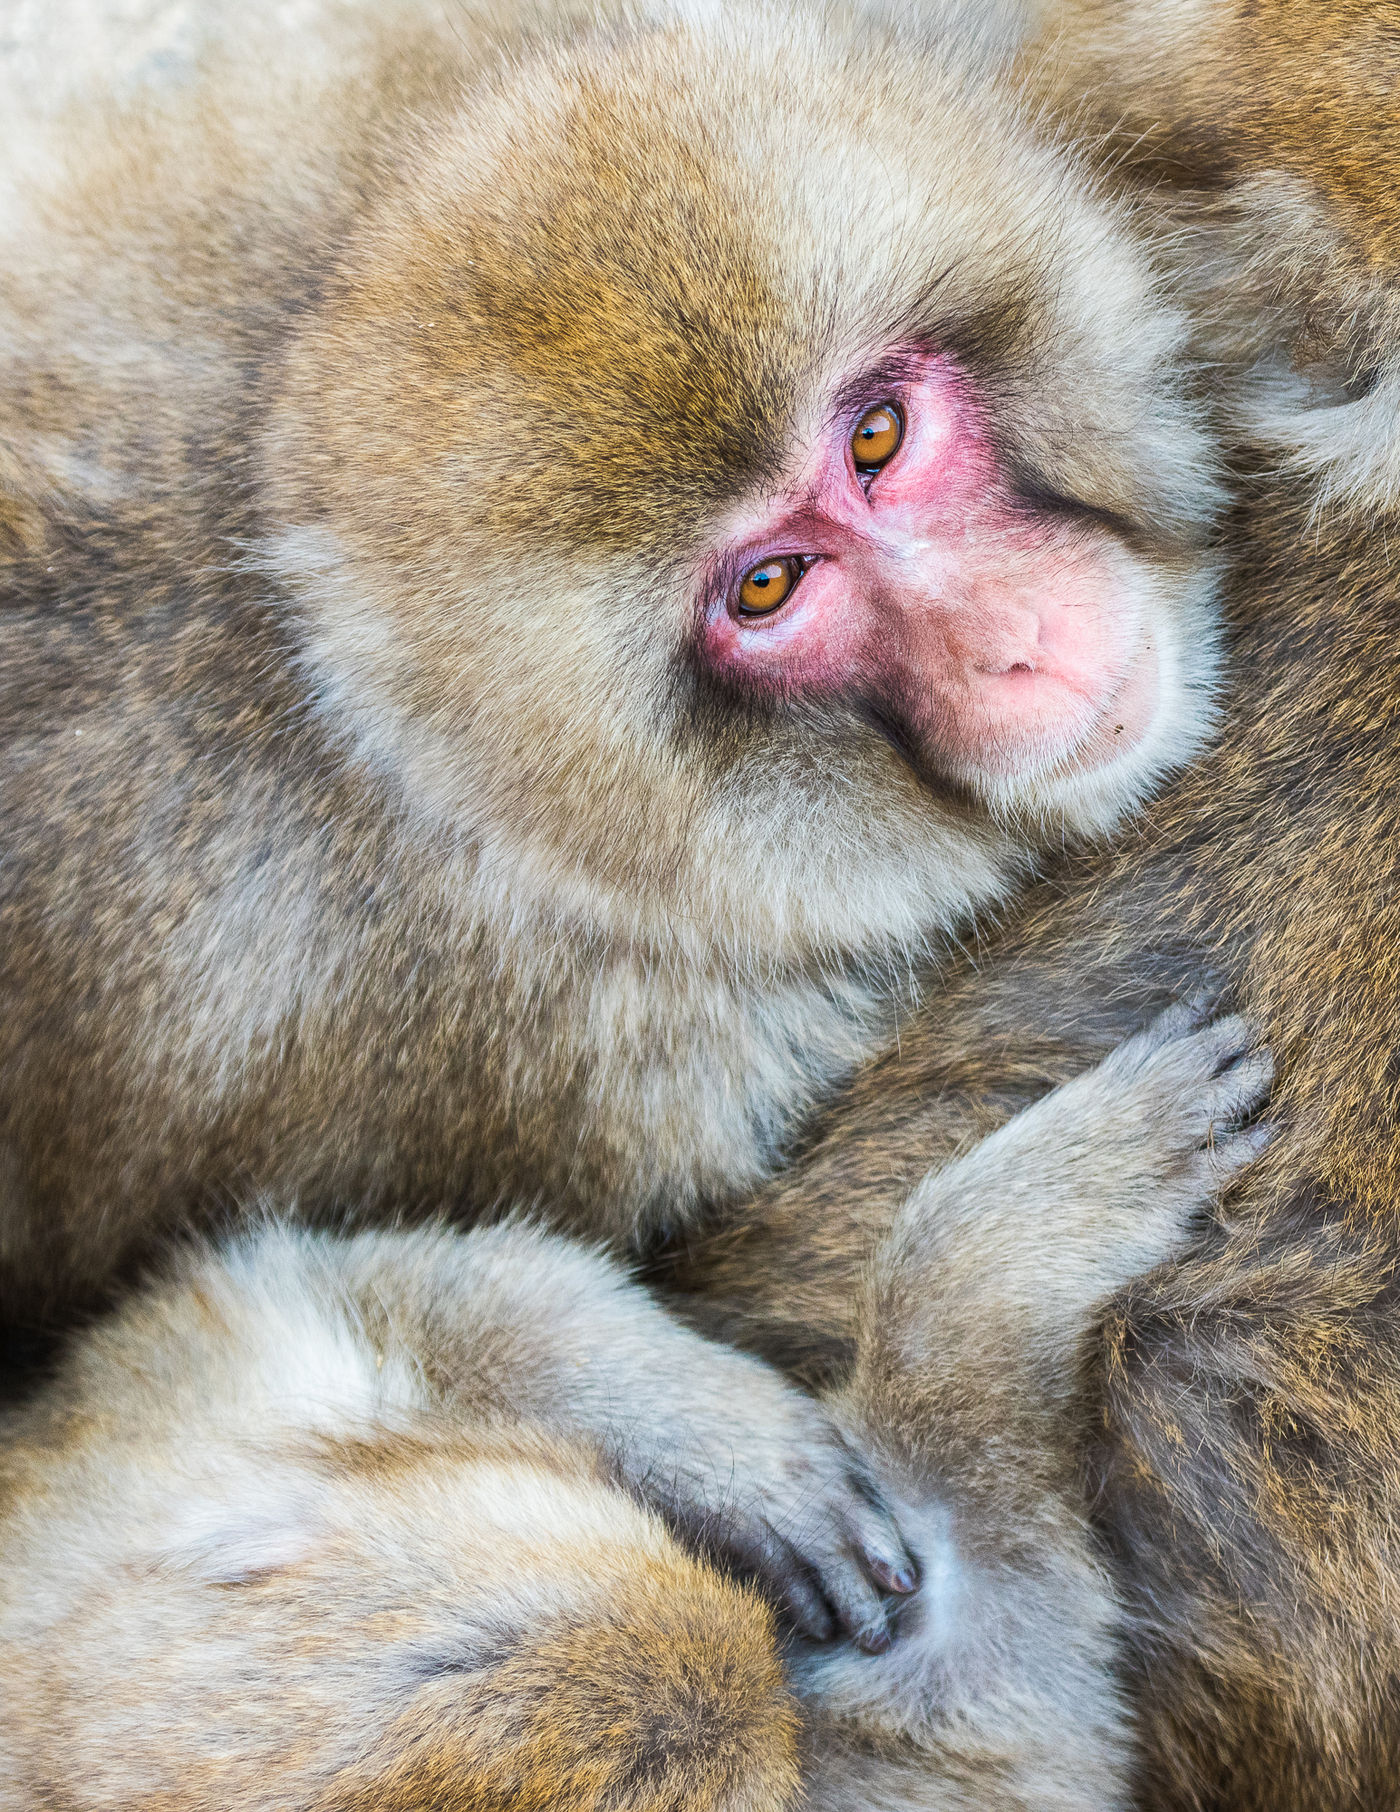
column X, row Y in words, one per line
column 999, row 635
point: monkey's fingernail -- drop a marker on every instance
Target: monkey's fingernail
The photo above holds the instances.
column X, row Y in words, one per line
column 873, row 1642
column 894, row 1579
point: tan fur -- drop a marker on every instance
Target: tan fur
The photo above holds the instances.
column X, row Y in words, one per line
column 312, row 1523
column 369, row 839
column 252, row 1559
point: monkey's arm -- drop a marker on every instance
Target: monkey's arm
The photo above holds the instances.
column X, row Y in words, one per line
column 967, row 1389
column 781, row 1275
column 987, row 1283
column 264, row 1520
column 513, row 1323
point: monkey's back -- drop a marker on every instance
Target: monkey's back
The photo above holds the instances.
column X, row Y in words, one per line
column 171, row 808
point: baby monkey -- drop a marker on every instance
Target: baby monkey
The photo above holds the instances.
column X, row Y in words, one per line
column 338, row 1522
column 542, row 571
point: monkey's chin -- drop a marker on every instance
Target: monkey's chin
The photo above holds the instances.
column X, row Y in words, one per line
column 1125, row 720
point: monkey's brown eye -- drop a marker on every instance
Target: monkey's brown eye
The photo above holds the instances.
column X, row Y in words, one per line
column 877, row 437
column 763, row 588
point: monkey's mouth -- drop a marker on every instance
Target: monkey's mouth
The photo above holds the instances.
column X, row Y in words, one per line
column 1123, row 719
column 1027, row 721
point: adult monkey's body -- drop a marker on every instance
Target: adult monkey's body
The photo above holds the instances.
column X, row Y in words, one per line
column 1249, row 1445
column 521, row 627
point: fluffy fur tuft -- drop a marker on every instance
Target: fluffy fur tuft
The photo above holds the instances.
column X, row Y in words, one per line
column 1267, row 133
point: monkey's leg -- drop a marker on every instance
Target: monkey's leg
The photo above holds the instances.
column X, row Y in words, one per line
column 252, row 1556
column 967, row 1388
column 359, row 1518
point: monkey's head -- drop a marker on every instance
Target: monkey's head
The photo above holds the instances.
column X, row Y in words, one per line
column 740, row 483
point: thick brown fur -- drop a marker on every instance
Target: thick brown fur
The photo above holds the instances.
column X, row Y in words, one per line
column 371, row 841
column 1246, row 1439
column 312, row 892
column 377, row 837
column 336, row 1522
column 1266, row 129
column 368, row 838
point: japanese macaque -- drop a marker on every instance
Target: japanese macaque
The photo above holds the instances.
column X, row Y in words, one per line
column 508, row 663
column 527, row 615
column 1243, row 1436
column 329, row 1521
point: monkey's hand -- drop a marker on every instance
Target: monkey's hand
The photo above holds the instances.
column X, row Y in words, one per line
column 998, row 1261
column 753, row 1471
column 520, row 1322
column 1115, row 1167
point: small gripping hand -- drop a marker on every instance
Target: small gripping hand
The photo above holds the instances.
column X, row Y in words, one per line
column 753, row 1471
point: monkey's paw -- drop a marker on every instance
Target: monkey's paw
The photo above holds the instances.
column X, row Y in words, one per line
column 1165, row 1123
column 761, row 1478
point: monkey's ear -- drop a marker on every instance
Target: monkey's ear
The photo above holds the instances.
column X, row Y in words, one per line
column 261, row 1527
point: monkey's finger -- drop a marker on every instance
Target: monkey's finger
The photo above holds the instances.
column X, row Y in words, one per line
column 1226, row 1157
column 860, row 1607
column 1213, row 1047
column 784, row 1575
column 876, row 1535
column 881, row 1549
column 1243, row 1088
column 1171, row 1025
column 1192, row 1066
column 1228, row 1040
column 901, row 1580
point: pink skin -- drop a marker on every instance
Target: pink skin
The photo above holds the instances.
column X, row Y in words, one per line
column 1003, row 639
